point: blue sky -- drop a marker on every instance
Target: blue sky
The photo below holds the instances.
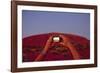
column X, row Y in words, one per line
column 38, row 22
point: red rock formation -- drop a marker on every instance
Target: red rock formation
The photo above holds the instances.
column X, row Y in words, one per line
column 33, row 47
